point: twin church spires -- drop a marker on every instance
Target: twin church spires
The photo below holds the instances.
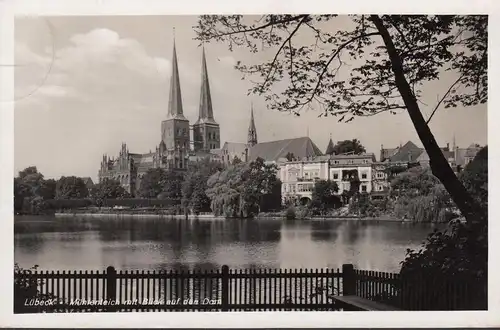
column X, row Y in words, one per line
column 176, row 128
column 206, row 131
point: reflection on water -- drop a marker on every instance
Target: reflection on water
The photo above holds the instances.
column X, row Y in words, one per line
column 133, row 243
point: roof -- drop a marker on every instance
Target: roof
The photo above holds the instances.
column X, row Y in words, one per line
column 206, row 114
column 329, row 148
column 301, row 148
column 365, row 155
column 404, row 152
column 175, row 98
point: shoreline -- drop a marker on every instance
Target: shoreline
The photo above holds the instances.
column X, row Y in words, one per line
column 212, row 217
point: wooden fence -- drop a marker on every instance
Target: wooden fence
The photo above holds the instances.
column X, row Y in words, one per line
column 236, row 290
column 220, row 290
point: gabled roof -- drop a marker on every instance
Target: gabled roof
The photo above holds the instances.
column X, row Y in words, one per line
column 301, row 148
column 403, row 153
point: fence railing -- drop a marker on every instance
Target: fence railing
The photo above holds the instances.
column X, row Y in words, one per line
column 238, row 290
column 219, row 290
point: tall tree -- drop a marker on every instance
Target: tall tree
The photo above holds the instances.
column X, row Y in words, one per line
column 391, row 57
column 107, row 189
column 71, row 187
column 353, row 146
column 323, row 195
column 195, row 185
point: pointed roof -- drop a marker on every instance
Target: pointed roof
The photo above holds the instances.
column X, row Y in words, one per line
column 175, row 98
column 406, row 153
column 301, row 148
column 252, row 131
column 206, row 114
column 329, row 148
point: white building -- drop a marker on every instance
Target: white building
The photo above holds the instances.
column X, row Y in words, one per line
column 298, row 178
column 343, row 167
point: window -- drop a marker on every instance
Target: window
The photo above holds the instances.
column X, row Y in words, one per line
column 380, row 188
column 363, row 188
column 363, row 175
column 380, row 175
column 335, row 176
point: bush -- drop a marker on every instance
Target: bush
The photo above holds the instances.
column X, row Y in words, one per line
column 290, row 213
column 303, row 212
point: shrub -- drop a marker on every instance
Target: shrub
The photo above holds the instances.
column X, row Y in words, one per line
column 290, row 213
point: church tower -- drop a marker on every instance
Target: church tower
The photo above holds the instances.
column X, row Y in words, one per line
column 206, row 131
column 252, row 131
column 175, row 140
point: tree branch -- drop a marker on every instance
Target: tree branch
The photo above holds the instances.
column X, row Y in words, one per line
column 337, row 52
column 444, row 97
column 253, row 29
column 281, row 48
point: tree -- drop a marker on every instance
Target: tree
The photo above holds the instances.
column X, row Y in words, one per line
column 236, row 160
column 31, row 188
column 238, row 190
column 152, row 183
column 108, row 189
column 194, row 185
column 349, row 146
column 172, row 187
column 70, row 187
column 323, row 195
column 48, row 189
column 475, row 177
column 391, row 58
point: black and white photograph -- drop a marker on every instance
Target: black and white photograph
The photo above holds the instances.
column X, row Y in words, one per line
column 273, row 162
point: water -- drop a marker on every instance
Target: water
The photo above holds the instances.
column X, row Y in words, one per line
column 153, row 244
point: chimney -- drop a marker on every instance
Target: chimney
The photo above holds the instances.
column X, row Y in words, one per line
column 448, row 146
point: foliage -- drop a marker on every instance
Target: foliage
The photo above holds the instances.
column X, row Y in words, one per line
column 290, row 213
column 107, row 189
column 26, row 288
column 272, row 200
column 160, row 183
column 303, row 212
column 420, row 197
column 475, row 177
column 237, row 191
column 462, row 249
column 69, row 187
column 236, row 160
column 65, row 204
column 323, row 195
column 390, row 59
column 31, row 191
column 349, row 146
column 194, row 185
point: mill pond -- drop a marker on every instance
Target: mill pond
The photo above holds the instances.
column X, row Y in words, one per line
column 78, row 243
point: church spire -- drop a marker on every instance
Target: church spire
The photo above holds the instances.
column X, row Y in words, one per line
column 175, row 98
column 206, row 114
column 330, row 147
column 252, row 131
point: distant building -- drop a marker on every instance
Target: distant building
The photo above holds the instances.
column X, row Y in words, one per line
column 344, row 167
column 298, row 178
column 457, row 157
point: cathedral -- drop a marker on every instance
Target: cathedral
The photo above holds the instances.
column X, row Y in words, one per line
column 175, row 148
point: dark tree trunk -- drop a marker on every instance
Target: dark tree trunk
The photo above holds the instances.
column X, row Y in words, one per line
column 438, row 163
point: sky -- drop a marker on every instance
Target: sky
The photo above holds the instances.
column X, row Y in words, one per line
column 86, row 84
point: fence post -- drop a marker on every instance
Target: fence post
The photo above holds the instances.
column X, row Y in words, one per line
column 111, row 286
column 348, row 280
column 225, row 288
